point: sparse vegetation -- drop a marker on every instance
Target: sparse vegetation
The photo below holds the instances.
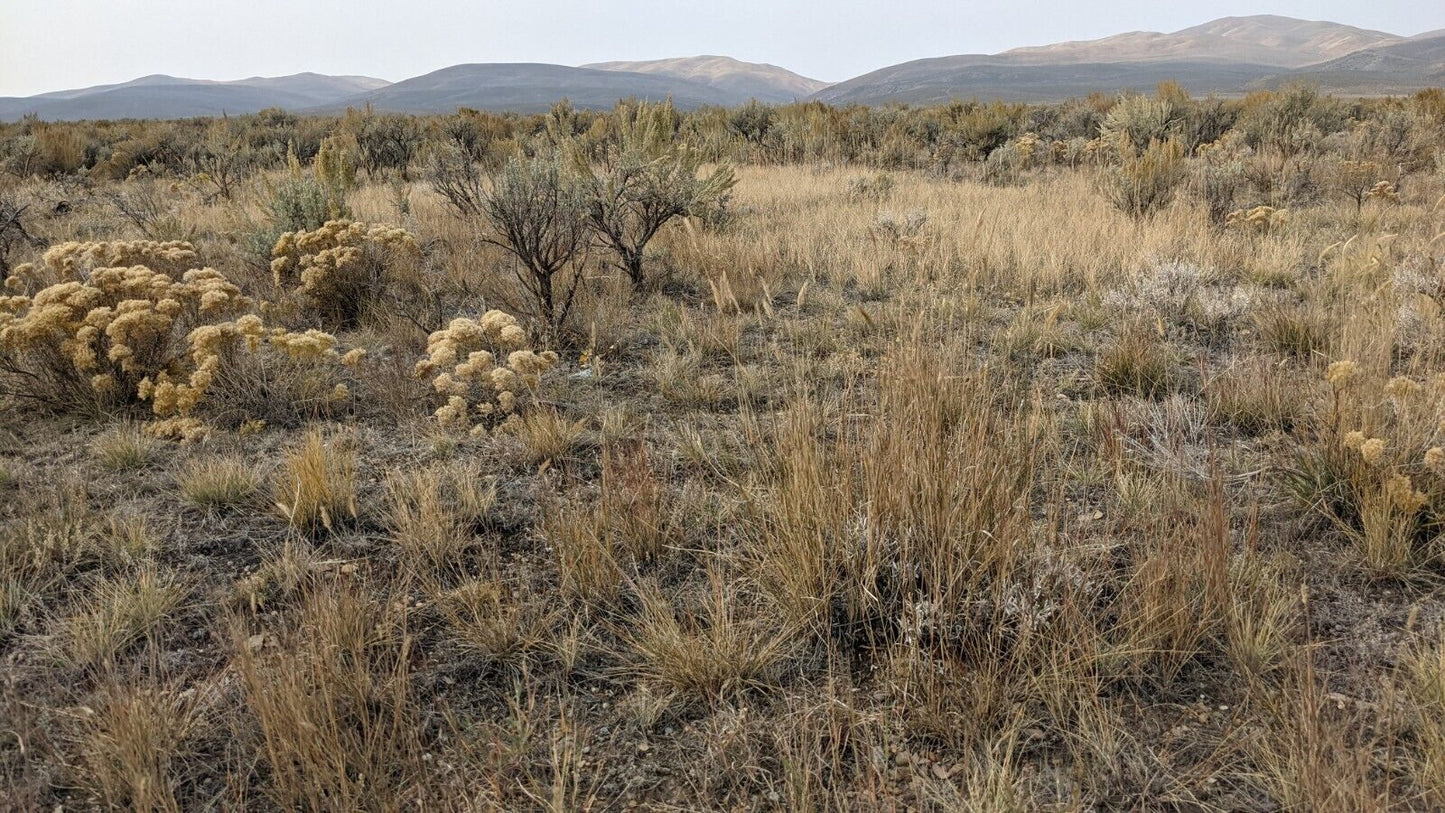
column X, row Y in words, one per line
column 980, row 457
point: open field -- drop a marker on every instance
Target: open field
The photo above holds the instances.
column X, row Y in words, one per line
column 1068, row 473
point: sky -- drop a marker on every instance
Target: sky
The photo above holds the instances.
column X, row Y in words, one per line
column 56, row 44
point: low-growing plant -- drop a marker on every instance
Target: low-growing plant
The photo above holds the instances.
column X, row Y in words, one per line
column 1295, row 329
column 342, row 270
column 1255, row 396
column 1376, row 466
column 433, row 514
column 316, row 486
column 1137, row 362
column 125, row 448
column 132, row 744
column 218, row 482
column 464, row 365
column 119, row 612
column 548, row 434
column 495, row 618
column 711, row 653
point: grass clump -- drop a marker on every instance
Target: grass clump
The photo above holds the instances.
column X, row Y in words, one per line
column 126, row 448
column 219, row 482
column 316, row 486
column 1137, row 362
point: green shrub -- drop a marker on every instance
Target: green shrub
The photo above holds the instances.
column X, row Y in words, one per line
column 1145, row 182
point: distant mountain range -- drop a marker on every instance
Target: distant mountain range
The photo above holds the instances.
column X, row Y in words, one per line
column 169, row 97
column 1228, row 56
column 745, row 80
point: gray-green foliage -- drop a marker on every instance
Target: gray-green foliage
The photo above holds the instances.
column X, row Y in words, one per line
column 644, row 180
column 535, row 210
column 1144, row 182
column 1139, row 120
column 298, row 202
column 1291, row 121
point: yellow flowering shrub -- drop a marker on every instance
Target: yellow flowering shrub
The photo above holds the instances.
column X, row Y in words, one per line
column 465, row 365
column 270, row 372
column 89, row 342
column 1258, row 220
column 1377, row 466
column 74, row 261
column 97, row 337
column 339, row 270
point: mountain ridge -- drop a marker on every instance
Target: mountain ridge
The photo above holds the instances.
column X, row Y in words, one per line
column 758, row 80
column 1226, row 56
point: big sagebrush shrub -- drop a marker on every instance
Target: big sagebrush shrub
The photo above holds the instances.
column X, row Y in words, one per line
column 644, row 181
column 1144, row 182
column 535, row 210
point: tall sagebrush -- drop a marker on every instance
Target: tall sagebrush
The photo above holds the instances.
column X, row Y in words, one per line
column 1144, row 182
column 535, row 210
column 643, row 181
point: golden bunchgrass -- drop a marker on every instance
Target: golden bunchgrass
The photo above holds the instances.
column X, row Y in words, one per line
column 978, row 457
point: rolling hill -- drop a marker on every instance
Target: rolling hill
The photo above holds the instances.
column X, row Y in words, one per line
column 1227, row 56
column 942, row 79
column 170, row 97
column 1259, row 40
column 531, row 88
column 743, row 80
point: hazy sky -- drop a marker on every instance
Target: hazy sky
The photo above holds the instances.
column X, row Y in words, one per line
column 55, row 44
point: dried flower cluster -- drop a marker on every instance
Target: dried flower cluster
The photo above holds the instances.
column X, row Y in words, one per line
column 1385, row 191
column 1391, row 432
column 464, row 366
column 107, row 336
column 338, row 269
column 175, row 395
column 93, row 341
column 1259, row 219
column 73, row 261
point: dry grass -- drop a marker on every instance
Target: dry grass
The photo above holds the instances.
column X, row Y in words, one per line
column 434, row 513
column 911, row 493
column 712, row 652
column 330, row 704
column 118, row 613
column 132, row 744
column 219, row 482
column 125, row 448
column 316, row 486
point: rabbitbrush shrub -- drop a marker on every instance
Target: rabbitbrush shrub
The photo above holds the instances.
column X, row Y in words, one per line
column 87, row 339
column 464, row 366
column 92, row 338
column 339, row 271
